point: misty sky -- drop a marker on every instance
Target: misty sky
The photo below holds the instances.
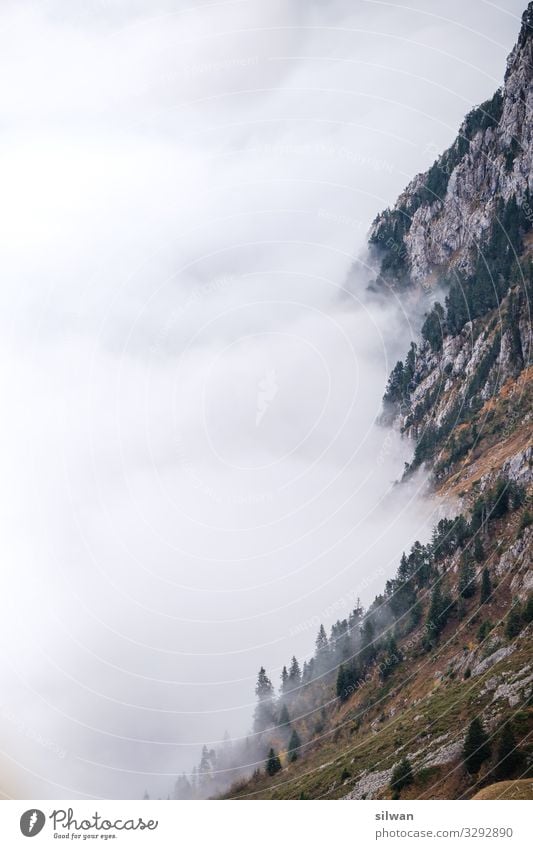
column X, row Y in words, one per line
column 190, row 368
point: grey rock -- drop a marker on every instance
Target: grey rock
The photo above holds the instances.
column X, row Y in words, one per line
column 488, row 662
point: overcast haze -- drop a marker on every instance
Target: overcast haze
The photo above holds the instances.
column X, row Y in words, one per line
column 191, row 370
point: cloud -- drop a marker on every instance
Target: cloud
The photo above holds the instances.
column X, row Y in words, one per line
column 191, row 369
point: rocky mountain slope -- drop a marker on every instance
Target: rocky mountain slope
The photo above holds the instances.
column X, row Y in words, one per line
column 445, row 215
column 429, row 692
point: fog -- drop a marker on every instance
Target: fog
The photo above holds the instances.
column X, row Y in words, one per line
column 191, row 368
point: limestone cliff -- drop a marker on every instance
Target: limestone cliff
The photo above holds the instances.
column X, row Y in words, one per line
column 446, row 213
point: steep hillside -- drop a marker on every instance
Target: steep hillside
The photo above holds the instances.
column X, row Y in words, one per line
column 460, row 650
column 429, row 692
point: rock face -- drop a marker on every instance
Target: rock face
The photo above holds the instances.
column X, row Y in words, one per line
column 369, row 785
column 443, row 214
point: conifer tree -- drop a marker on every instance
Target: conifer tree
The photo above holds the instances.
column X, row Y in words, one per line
column 478, row 522
column 284, row 679
column 486, row 588
column 207, row 763
column 500, row 499
column 509, row 759
column 321, row 643
column 294, row 673
column 476, row 748
column 402, row 776
column 263, row 688
column 273, row 764
column 294, row 746
column 437, row 615
column 513, row 624
column 403, row 568
column 368, row 646
column 284, row 719
column 527, row 612
column 433, row 327
column 348, row 676
column 308, row 671
column 355, row 616
column 391, row 658
column 341, row 682
column 264, row 711
column 322, row 651
column 479, row 551
column 467, row 585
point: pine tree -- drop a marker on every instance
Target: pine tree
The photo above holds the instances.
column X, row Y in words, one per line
column 513, row 624
column 500, row 499
column 476, row 748
column 433, row 327
column 341, row 682
column 308, row 671
column 403, row 568
column 368, row 647
column 264, row 711
column 205, row 769
column 294, row 673
column 479, row 552
column 355, row 616
column 395, row 390
column 321, row 644
column 527, row 612
column 345, row 647
column 391, row 658
column 467, row 585
column 348, row 676
column 284, row 719
column 402, row 776
column 204, row 760
column 294, row 746
column 509, row 759
column 273, row 764
column 263, row 688
column 284, row 679
column 486, row 587
column 478, row 522
column 437, row 615
column 322, row 651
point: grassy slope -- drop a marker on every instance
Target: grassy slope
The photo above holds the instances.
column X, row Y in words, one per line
column 515, row 790
column 426, row 704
